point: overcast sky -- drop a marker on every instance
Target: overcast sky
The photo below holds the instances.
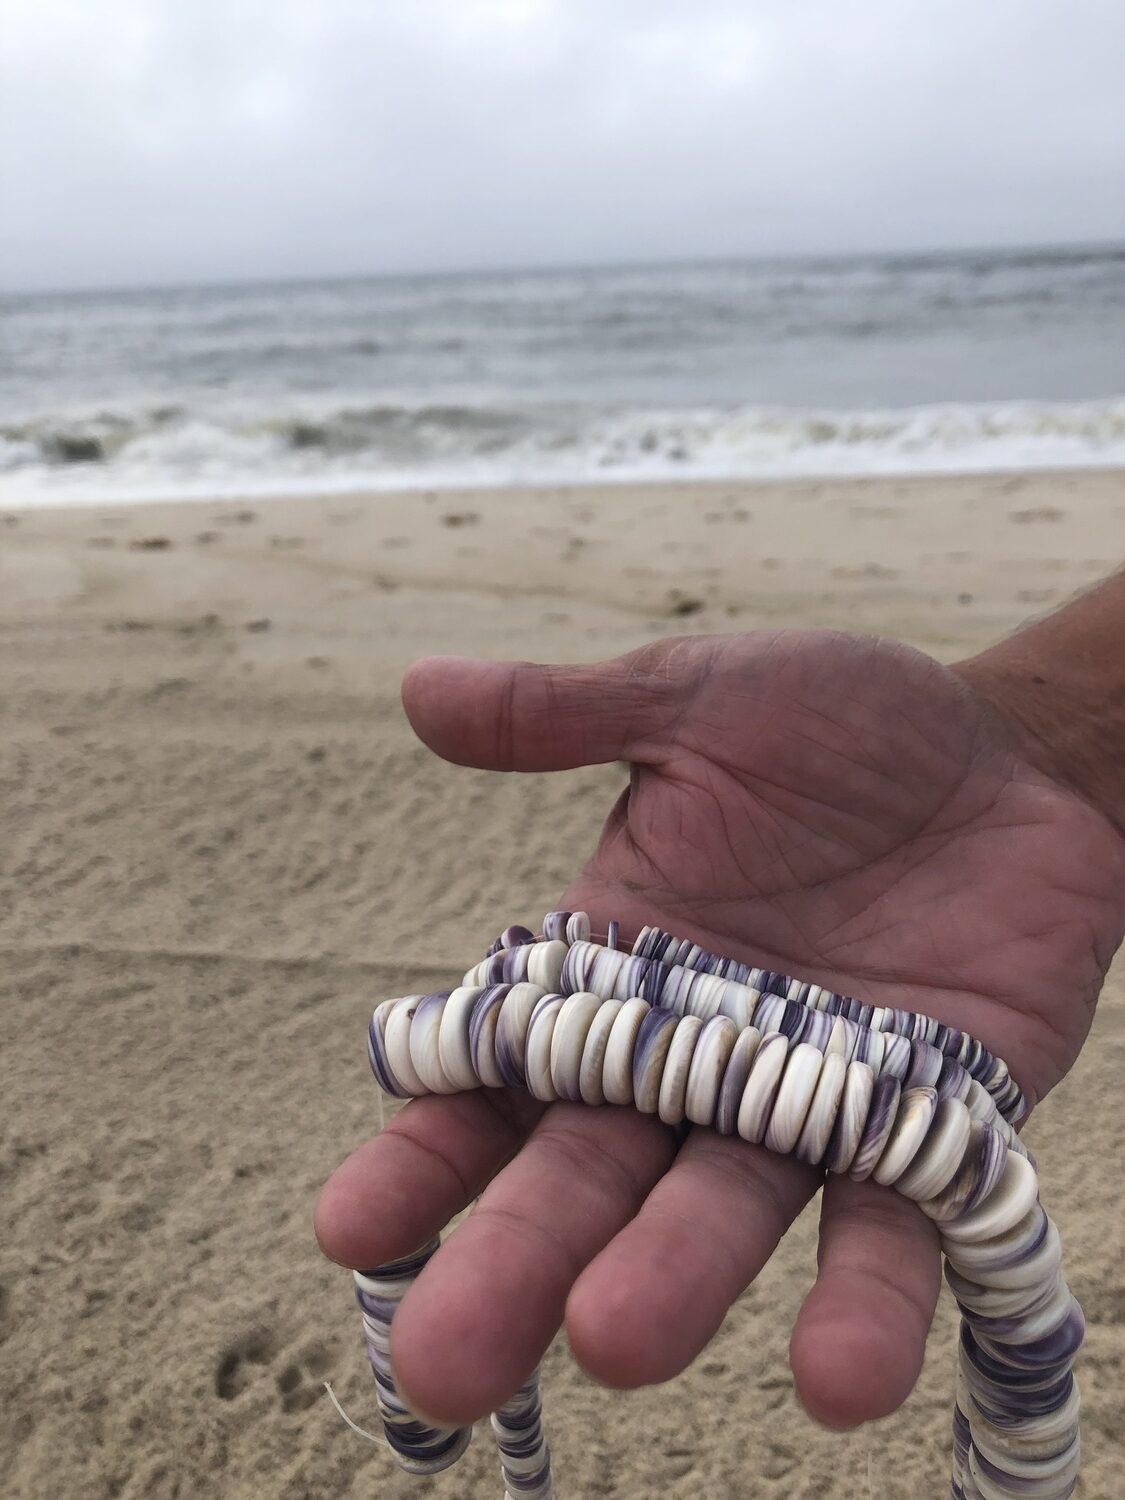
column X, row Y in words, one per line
column 174, row 140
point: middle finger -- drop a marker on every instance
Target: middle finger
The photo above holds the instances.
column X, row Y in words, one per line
column 489, row 1302
column 656, row 1296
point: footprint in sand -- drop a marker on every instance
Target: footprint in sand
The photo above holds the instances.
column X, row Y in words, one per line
column 301, row 1382
column 235, row 1369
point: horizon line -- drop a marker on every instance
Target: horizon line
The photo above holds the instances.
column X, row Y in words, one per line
column 548, row 268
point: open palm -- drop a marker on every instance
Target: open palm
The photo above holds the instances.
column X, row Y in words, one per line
column 833, row 807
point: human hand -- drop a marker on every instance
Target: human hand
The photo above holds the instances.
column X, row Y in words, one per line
column 832, row 807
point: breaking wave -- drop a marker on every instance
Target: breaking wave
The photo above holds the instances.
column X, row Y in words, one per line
column 173, row 448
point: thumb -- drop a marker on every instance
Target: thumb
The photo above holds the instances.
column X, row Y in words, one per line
column 518, row 716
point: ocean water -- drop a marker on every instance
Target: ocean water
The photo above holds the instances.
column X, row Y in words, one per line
column 982, row 360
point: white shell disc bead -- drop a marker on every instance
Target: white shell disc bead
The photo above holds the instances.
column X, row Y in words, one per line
column 798, row 1084
column 817, row 1131
column 859, row 1084
column 708, row 1064
column 1012, row 1197
column 915, row 1114
column 545, row 964
column 538, row 1055
column 590, row 1084
column 617, row 1068
column 397, row 1042
column 454, row 1053
column 762, row 1086
column 674, row 1079
column 572, row 1027
column 424, row 1032
column 940, row 1154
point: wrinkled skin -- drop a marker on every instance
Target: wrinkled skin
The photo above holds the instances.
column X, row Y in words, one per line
column 832, row 807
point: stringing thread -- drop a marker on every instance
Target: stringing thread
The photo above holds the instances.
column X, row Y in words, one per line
column 875, row 1092
column 355, row 1427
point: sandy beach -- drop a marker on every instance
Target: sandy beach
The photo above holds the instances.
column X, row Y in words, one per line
column 220, row 845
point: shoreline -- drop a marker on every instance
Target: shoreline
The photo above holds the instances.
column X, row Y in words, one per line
column 271, row 491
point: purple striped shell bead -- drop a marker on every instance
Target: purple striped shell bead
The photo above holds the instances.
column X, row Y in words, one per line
column 761, row 1087
column 978, row 1174
column 511, row 1033
column 525, row 1458
column 879, row 1124
column 377, row 1051
column 537, row 1049
column 1014, row 1195
column 851, row 1117
column 482, row 1034
column 654, row 1038
column 554, row 926
column 418, row 1447
column 735, row 1075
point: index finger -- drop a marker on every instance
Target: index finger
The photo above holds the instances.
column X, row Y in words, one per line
column 401, row 1188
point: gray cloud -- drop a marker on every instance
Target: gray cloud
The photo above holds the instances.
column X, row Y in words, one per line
column 152, row 140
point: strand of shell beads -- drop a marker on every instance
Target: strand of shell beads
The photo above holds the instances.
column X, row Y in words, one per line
column 680, row 976
column 419, row 1448
column 525, row 1459
column 870, row 1092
